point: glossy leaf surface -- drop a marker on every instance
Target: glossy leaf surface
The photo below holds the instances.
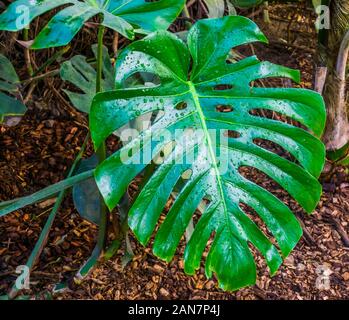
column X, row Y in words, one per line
column 123, row 16
column 196, row 83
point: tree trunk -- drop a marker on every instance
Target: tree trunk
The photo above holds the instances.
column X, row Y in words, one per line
column 332, row 54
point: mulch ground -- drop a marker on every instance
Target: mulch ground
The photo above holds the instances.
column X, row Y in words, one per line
column 40, row 149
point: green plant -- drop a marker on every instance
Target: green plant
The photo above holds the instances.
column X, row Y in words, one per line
column 190, row 99
column 125, row 18
column 83, row 75
column 193, row 85
column 9, row 83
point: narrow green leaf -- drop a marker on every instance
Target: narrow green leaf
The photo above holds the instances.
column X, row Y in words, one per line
column 50, row 191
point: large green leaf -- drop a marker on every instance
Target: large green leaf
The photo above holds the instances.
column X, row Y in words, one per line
column 123, row 16
column 9, row 82
column 196, row 84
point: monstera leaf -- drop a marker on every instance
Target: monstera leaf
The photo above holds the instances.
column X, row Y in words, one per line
column 9, row 82
column 209, row 120
column 82, row 75
column 123, row 16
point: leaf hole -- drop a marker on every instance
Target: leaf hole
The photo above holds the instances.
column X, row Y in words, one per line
column 181, row 105
column 223, row 87
column 263, row 180
column 272, row 82
column 224, row 108
column 142, row 79
column 275, row 115
column 275, row 148
column 232, row 134
column 182, row 180
column 239, row 53
column 254, row 216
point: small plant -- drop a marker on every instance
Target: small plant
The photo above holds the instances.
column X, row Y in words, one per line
column 83, row 75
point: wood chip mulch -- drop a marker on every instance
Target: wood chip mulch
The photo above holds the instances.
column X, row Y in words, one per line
column 39, row 151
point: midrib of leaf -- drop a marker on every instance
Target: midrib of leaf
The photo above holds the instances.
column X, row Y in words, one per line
column 106, row 4
column 118, row 8
column 93, row 3
column 209, row 141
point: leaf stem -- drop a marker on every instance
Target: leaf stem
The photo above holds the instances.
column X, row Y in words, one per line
column 186, row 14
column 101, row 154
column 266, row 16
column 27, row 52
column 99, row 58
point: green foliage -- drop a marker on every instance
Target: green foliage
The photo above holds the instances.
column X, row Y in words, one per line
column 9, row 83
column 83, row 75
column 189, row 98
column 125, row 17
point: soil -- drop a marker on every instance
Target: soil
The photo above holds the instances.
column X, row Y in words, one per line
column 41, row 148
